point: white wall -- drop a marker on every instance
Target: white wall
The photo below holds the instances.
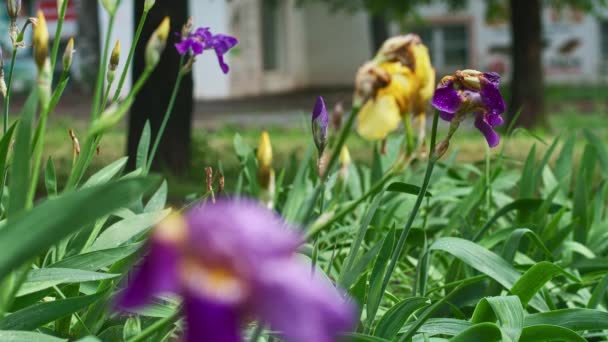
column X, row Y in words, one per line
column 337, row 44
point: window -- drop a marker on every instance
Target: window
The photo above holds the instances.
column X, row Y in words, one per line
column 448, row 45
column 270, row 24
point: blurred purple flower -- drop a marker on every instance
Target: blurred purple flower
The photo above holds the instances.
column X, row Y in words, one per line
column 320, row 121
column 202, row 39
column 471, row 91
column 235, row 261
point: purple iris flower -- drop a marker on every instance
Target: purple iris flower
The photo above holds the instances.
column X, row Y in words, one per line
column 202, row 39
column 472, row 92
column 232, row 262
column 320, row 121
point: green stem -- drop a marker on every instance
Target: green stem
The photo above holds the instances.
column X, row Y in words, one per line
column 156, row 326
column 320, row 188
column 408, row 225
column 163, row 125
column 9, row 84
column 38, row 149
column 92, row 141
column 312, row 233
column 105, row 97
column 125, row 70
column 101, row 74
column 57, row 39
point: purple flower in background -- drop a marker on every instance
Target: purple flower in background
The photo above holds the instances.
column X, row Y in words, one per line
column 470, row 91
column 202, row 39
column 320, row 121
column 232, row 262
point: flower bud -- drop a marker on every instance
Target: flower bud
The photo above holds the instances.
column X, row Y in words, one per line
column 41, row 40
column 221, row 184
column 264, row 152
column 440, row 149
column 45, row 77
column 13, row 7
column 264, row 157
column 59, row 6
column 187, row 28
column 370, row 78
column 319, row 124
column 344, row 162
column 110, row 6
column 148, row 4
column 68, row 55
column 157, row 44
column 115, row 56
column 75, row 142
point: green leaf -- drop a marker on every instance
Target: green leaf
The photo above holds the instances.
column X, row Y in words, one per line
column 40, row 314
column 441, row 326
column 512, row 244
column 485, row 262
column 61, row 216
column 574, row 319
column 529, row 204
column 406, row 188
column 5, row 144
column 124, row 231
column 50, row 178
column 43, row 278
column 600, row 149
column 395, row 317
column 535, row 278
column 158, row 200
column 107, row 173
column 377, row 276
column 487, row 332
column 20, row 171
column 528, row 180
column 96, row 260
column 507, row 309
column 357, row 337
column 143, row 147
column 598, row 293
column 27, row 336
column 354, row 250
column 563, row 165
column 547, row 332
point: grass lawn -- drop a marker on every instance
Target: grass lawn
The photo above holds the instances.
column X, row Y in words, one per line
column 215, row 147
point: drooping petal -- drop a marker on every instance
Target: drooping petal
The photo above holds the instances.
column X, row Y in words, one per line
column 486, row 129
column 157, row 274
column 378, row 118
column 492, row 77
column 447, row 99
column 183, row 47
column 208, row 320
column 491, row 97
column 494, row 120
column 301, row 307
column 446, row 116
column 221, row 43
column 241, row 232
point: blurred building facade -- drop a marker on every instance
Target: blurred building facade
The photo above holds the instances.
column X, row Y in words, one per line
column 285, row 47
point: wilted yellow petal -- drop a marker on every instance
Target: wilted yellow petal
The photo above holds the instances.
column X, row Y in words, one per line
column 424, row 72
column 378, row 118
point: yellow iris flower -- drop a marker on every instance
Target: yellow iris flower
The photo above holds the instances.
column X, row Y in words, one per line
column 409, row 91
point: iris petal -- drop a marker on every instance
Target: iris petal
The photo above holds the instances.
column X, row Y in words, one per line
column 446, row 116
column 491, row 97
column 157, row 274
column 301, row 307
column 486, row 129
column 208, row 320
column 447, row 99
column 378, row 118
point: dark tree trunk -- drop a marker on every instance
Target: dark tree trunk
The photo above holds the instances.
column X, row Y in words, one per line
column 88, row 43
column 174, row 150
column 379, row 30
column 527, row 90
